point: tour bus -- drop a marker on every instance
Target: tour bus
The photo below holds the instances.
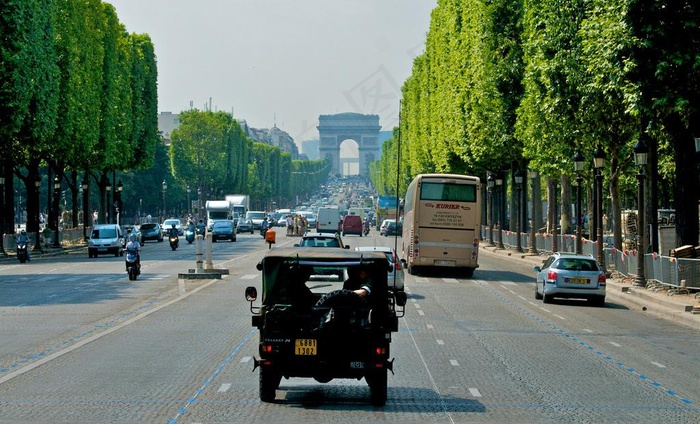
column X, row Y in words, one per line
column 442, row 215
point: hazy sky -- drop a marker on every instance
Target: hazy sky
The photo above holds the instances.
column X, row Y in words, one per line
column 295, row 59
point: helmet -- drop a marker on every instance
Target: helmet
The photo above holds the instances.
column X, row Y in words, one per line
column 173, row 226
column 132, row 237
column 23, row 232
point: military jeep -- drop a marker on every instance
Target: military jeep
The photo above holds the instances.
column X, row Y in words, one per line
column 311, row 327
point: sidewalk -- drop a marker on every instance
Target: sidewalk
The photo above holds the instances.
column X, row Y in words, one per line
column 676, row 308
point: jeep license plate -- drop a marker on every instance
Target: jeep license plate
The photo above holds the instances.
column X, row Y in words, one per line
column 305, row 347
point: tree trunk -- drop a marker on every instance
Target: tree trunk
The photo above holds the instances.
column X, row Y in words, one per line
column 566, row 214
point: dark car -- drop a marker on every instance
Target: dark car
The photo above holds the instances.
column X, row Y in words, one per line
column 223, row 230
column 151, row 232
column 321, row 240
column 244, row 226
column 392, row 229
column 312, row 325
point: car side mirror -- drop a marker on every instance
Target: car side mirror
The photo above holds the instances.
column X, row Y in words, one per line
column 401, row 298
column 297, row 245
column 251, row 294
column 259, row 266
column 403, row 262
column 347, row 246
column 537, row 269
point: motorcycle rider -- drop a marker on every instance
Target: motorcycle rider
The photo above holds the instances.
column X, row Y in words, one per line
column 23, row 238
column 134, row 246
column 264, row 226
column 201, row 227
column 173, row 232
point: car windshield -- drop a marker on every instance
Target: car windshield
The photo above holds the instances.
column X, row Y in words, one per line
column 320, row 242
column 104, row 233
column 170, row 222
column 222, row 224
column 148, row 226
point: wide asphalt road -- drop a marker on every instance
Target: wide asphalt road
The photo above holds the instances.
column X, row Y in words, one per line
column 81, row 343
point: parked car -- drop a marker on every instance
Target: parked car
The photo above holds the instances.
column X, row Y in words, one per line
column 321, row 240
column 168, row 224
column 396, row 273
column 223, row 230
column 312, row 327
column 244, row 226
column 570, row 275
column 106, row 239
column 151, row 231
column 352, row 224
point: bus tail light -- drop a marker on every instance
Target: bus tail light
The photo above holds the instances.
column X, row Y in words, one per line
column 475, row 243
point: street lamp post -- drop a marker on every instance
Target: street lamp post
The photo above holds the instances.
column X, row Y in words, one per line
column 533, row 221
column 2, row 211
column 555, row 218
column 189, row 206
column 108, row 203
column 640, row 158
column 56, row 194
column 85, row 185
column 501, row 205
column 490, row 182
column 165, row 188
column 37, row 186
column 578, row 167
column 118, row 201
column 598, row 164
column 518, row 188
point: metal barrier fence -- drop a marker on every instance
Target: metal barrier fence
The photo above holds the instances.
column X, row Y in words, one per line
column 68, row 236
column 676, row 274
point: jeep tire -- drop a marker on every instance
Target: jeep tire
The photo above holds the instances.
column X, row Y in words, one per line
column 269, row 381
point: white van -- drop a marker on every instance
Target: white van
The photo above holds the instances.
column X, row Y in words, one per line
column 328, row 220
column 106, row 239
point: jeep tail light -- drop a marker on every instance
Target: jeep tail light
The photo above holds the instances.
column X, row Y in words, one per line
column 266, row 348
column 380, row 350
column 552, row 275
column 397, row 264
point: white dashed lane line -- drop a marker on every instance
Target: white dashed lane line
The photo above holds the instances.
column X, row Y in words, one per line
column 421, row 312
column 615, row 344
column 587, row 330
column 658, row 365
column 454, row 362
column 474, row 392
column 440, row 342
column 224, row 388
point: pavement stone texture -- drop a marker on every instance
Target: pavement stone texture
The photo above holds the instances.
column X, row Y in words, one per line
column 660, row 303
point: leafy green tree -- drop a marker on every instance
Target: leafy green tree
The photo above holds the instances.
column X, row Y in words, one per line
column 28, row 96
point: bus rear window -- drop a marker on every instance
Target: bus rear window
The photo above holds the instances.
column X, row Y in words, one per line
column 448, row 192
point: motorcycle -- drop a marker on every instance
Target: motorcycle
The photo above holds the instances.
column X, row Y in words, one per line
column 365, row 230
column 133, row 267
column 189, row 235
column 22, row 252
column 174, row 241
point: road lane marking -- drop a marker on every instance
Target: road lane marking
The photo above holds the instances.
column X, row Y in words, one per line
column 532, row 303
column 430, row 326
column 416, row 305
column 454, row 362
column 450, row 280
column 249, row 276
column 421, row 312
column 546, row 310
column 615, row 344
column 522, row 297
column 224, row 388
column 474, row 392
column 246, row 359
column 587, row 330
column 509, row 283
column 81, row 343
column 414, row 300
column 440, row 342
column 560, row 317
column 658, row 365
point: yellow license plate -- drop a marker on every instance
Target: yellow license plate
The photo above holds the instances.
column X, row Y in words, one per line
column 578, row 280
column 305, row 347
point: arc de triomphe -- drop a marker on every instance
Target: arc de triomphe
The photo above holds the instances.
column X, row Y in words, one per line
column 363, row 129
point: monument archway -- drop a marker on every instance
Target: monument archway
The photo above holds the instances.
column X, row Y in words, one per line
column 362, row 129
